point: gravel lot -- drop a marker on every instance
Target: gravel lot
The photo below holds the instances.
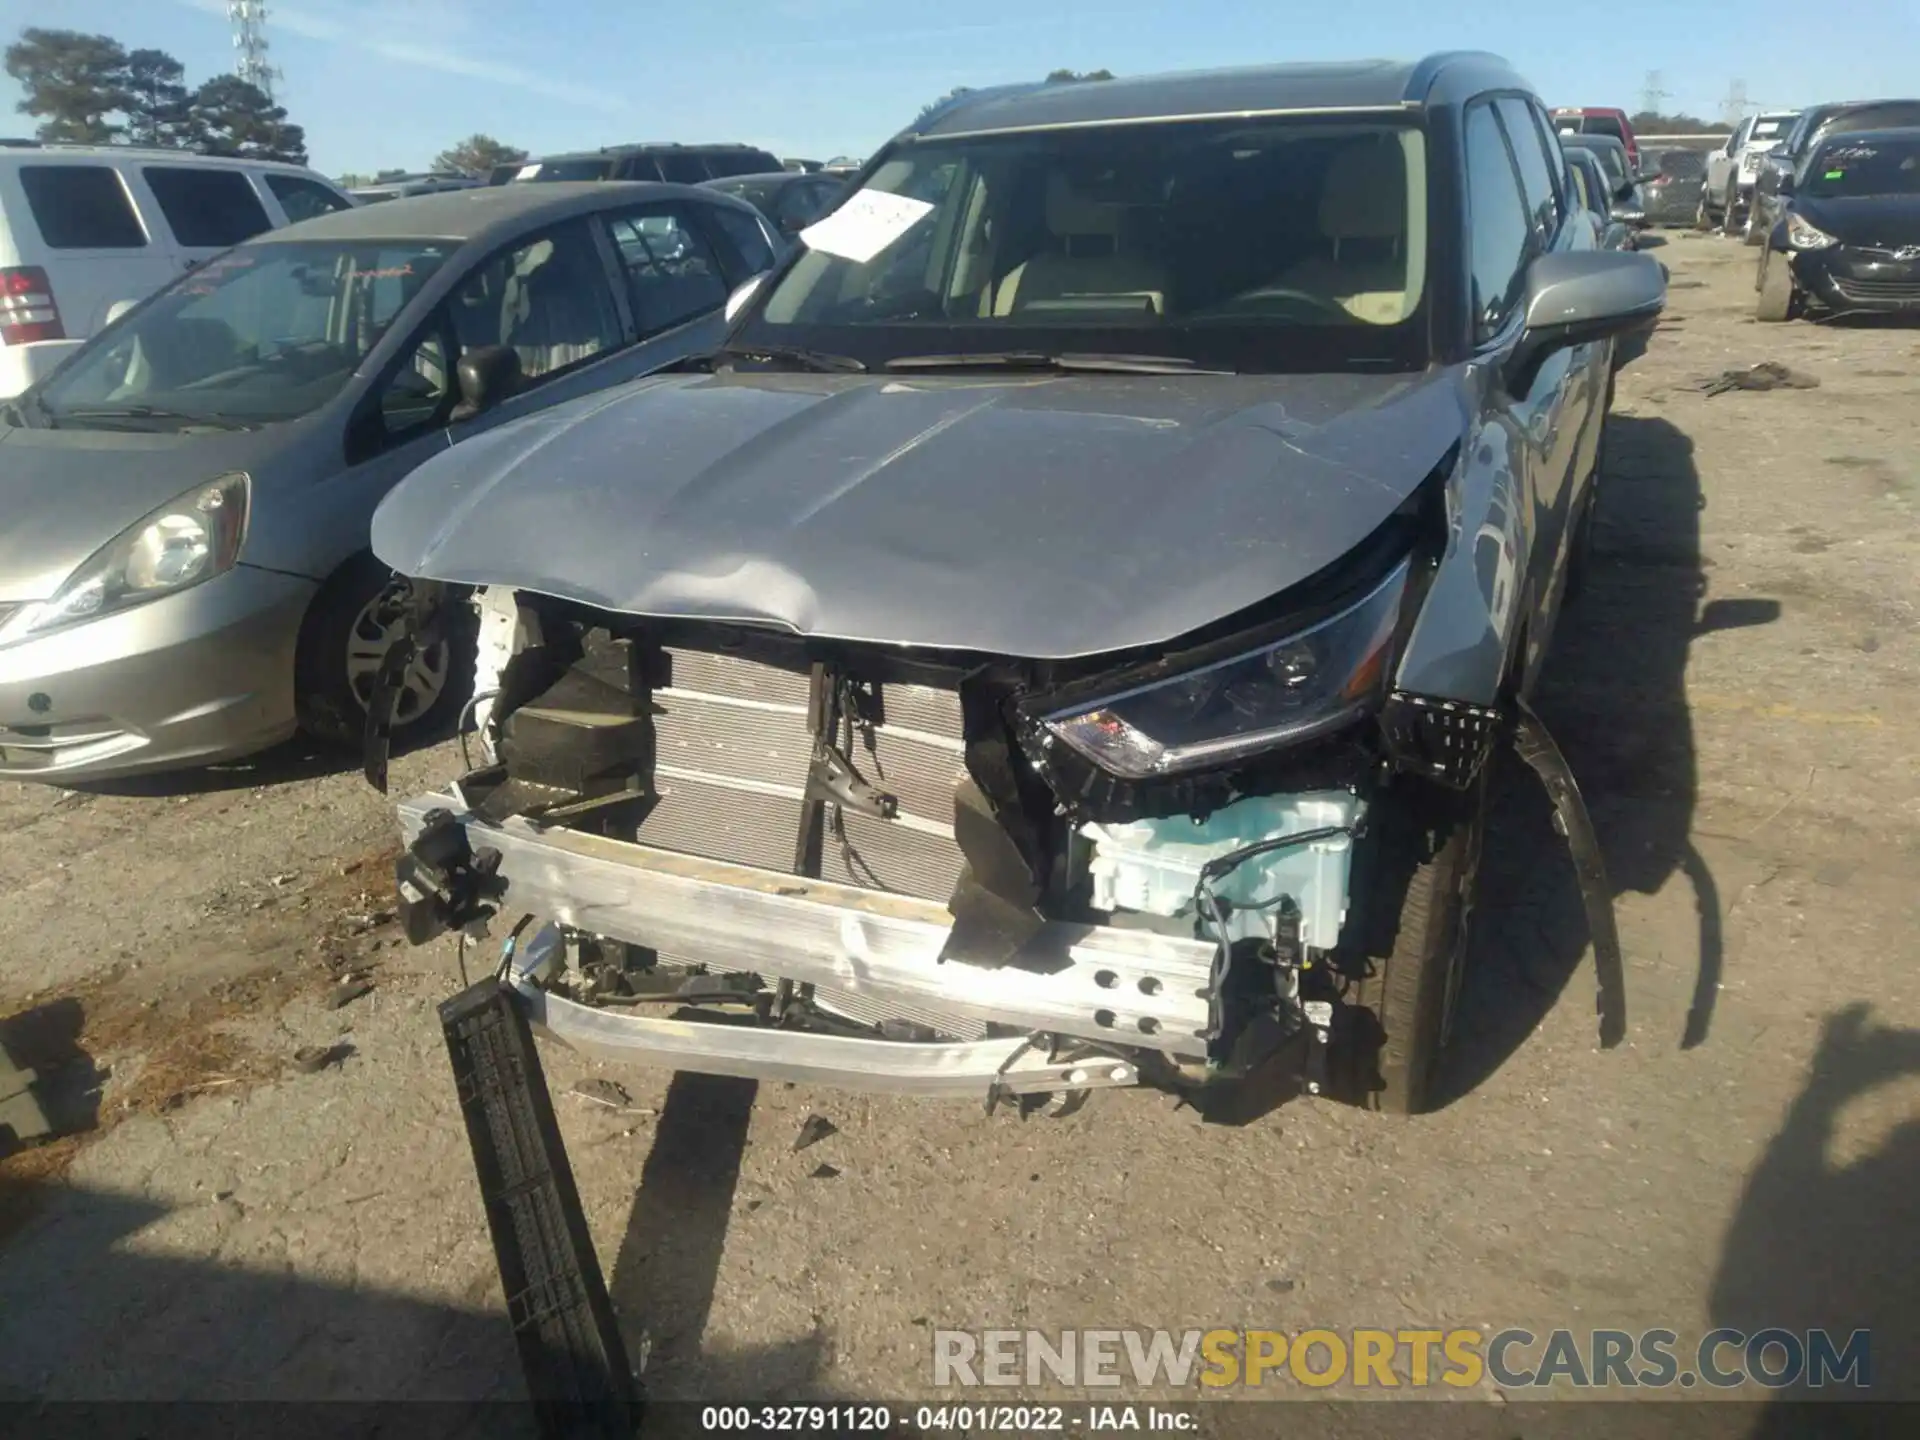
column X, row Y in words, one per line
column 1738, row 693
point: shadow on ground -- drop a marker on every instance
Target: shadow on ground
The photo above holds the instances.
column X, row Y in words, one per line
column 1822, row 1238
column 1614, row 697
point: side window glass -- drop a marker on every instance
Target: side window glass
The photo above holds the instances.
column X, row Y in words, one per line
column 207, row 209
column 1536, row 173
column 547, row 299
column 682, row 169
column 1498, row 226
column 743, row 246
column 421, row 391
column 81, row 207
column 671, row 275
column 303, row 199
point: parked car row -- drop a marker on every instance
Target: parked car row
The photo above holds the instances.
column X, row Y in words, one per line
column 85, row 229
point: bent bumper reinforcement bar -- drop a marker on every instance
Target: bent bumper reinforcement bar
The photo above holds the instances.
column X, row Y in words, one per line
column 1104, row 987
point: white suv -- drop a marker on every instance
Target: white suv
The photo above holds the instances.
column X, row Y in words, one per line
column 86, row 227
column 1731, row 168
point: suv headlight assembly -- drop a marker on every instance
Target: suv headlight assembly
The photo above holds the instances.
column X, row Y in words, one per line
column 1290, row 690
column 193, row 537
column 1805, row 235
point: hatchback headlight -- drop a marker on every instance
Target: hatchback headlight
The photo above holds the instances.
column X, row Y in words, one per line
column 191, row 538
column 1805, row 235
column 1282, row 693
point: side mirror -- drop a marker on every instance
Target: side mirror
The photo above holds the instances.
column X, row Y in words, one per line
column 1575, row 299
column 1786, row 182
column 745, row 291
column 488, row 375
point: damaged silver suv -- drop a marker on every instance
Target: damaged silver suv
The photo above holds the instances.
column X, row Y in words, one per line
column 1060, row 640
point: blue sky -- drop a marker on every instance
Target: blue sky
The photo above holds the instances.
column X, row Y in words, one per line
column 388, row 83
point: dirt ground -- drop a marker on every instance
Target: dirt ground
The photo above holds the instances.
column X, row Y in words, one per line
column 1739, row 692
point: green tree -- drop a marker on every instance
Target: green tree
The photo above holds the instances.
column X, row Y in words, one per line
column 951, row 95
column 478, row 154
column 73, row 83
column 1059, row 77
column 156, row 99
column 230, row 116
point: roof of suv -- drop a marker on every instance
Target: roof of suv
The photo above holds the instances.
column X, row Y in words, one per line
column 480, row 212
column 665, row 146
column 56, row 150
column 1246, row 91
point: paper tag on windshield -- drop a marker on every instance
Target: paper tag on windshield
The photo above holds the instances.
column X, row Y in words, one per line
column 527, row 172
column 865, row 225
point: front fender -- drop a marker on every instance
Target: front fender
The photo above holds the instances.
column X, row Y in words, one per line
column 1463, row 636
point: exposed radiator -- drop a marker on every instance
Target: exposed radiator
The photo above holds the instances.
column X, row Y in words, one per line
column 732, row 747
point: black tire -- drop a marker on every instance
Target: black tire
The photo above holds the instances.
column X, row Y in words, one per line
column 1703, row 213
column 330, row 702
column 1751, row 230
column 1729, row 204
column 1423, row 867
column 1779, row 296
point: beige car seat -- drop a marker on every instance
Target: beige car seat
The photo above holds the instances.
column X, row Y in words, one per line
column 1089, row 263
column 545, row 317
column 1363, row 219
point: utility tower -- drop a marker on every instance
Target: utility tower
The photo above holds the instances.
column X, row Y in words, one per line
column 1734, row 108
column 249, row 19
column 1653, row 93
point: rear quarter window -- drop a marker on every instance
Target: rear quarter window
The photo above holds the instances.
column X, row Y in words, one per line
column 207, row 209
column 82, row 207
column 303, row 199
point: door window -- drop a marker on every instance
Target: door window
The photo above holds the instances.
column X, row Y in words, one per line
column 420, row 394
column 742, row 245
column 1497, row 221
column 207, row 209
column 683, row 169
column 671, row 275
column 1536, row 174
column 303, row 199
column 547, row 298
column 82, row 207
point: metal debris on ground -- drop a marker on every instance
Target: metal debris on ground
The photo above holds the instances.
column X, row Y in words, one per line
column 344, row 995
column 1767, row 375
column 812, row 1131
column 312, row 1059
column 603, row 1092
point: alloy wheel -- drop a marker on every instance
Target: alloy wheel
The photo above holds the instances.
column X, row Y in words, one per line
column 421, row 684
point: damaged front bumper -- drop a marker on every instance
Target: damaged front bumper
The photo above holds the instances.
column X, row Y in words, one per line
column 1080, row 1011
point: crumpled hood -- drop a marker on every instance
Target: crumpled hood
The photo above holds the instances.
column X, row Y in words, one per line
column 65, row 493
column 1042, row 517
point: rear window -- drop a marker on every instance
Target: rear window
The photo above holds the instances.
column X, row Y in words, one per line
column 207, row 209
column 1683, row 164
column 303, row 199
column 592, row 168
column 82, row 207
column 742, row 162
column 684, row 169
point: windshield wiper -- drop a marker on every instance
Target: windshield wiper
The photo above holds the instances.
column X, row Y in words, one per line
column 146, row 412
column 793, row 355
column 1036, row 360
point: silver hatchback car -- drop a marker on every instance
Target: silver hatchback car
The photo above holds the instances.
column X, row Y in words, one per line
column 184, row 565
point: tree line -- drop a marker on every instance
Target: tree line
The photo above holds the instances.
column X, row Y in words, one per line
column 92, row 90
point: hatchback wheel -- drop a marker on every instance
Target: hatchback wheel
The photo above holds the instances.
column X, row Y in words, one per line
column 1779, row 296
column 342, row 646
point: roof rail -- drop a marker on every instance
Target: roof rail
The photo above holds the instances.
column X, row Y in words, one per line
column 1424, row 73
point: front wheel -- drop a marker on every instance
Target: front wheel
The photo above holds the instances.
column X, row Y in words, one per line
column 1779, row 296
column 1423, row 869
column 341, row 648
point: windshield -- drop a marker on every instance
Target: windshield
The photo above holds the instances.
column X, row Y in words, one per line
column 1683, row 164
column 761, row 192
column 263, row 333
column 1879, row 167
column 1262, row 245
column 1769, row 128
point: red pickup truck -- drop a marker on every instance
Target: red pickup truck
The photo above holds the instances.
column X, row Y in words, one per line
column 1598, row 120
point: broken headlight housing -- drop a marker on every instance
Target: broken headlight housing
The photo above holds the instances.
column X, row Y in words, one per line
column 1289, row 690
column 1803, row 234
